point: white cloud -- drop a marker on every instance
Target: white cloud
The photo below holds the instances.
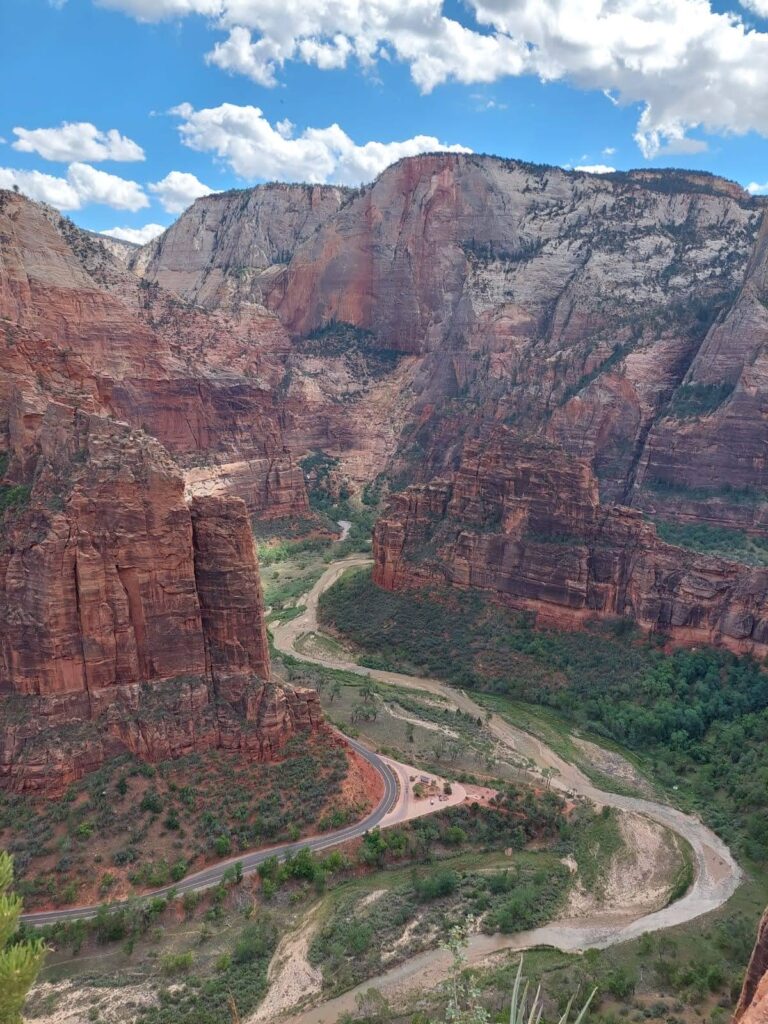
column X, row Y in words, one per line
column 609, row 151
column 689, row 65
column 595, row 168
column 80, row 141
column 82, row 185
column 44, row 187
column 99, row 187
column 178, row 190
column 253, row 148
column 138, row 235
column 756, row 189
column 759, row 7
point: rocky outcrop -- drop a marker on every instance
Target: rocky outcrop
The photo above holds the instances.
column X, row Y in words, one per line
column 78, row 327
column 620, row 315
column 226, row 248
column 130, row 620
column 752, row 1007
column 523, row 521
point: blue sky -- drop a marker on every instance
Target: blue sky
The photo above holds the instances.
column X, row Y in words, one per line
column 630, row 83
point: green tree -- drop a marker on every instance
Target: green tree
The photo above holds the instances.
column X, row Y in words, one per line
column 21, row 960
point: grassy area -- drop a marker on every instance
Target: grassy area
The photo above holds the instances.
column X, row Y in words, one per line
column 737, row 545
column 696, row 720
column 132, row 826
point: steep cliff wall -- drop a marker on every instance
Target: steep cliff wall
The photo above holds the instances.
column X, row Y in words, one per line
column 621, row 315
column 226, row 247
column 79, row 328
column 523, row 521
column 752, row 1007
column 128, row 619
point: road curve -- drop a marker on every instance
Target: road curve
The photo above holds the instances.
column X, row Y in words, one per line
column 208, row 877
column 716, row 873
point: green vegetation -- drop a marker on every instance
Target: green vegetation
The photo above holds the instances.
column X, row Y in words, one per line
column 361, row 936
column 692, row 400
column 732, row 495
column 698, row 719
column 736, row 545
column 149, row 826
column 14, row 496
column 20, row 958
column 241, row 980
column 357, row 346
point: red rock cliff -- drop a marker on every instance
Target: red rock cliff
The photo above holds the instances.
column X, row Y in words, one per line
column 523, row 521
column 752, row 1007
column 130, row 620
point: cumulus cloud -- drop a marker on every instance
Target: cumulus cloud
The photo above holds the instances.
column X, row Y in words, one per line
column 759, row 7
column 609, row 151
column 83, row 184
column 77, row 141
column 755, row 189
column 138, row 235
column 689, row 65
column 178, row 190
column 46, row 188
column 595, row 168
column 253, row 148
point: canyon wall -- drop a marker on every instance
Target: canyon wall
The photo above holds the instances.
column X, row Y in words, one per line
column 523, row 520
column 131, row 616
column 623, row 316
column 131, row 621
column 79, row 328
column 752, row 1007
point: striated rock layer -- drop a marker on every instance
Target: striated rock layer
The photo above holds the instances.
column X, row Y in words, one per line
column 523, row 521
column 752, row 1007
column 77, row 327
column 129, row 620
column 623, row 316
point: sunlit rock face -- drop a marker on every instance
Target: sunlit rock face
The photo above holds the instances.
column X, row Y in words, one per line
column 753, row 1003
column 523, row 521
column 131, row 615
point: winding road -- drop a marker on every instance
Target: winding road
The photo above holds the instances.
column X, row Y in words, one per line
column 208, row 877
column 716, row 873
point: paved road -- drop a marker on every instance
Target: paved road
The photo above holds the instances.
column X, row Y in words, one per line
column 716, row 873
column 211, row 876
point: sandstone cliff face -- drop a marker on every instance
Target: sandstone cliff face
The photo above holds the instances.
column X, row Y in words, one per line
column 752, row 1007
column 622, row 316
column 523, row 521
column 226, row 247
column 78, row 327
column 130, row 620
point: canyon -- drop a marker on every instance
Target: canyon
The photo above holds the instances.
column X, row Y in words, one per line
column 527, row 367
column 132, row 617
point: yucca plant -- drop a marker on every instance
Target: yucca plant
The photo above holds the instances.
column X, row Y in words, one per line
column 517, row 1011
column 464, row 1005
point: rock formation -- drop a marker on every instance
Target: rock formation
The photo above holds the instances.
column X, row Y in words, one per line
column 621, row 315
column 752, row 1007
column 523, row 520
column 130, row 619
column 131, row 615
column 80, row 328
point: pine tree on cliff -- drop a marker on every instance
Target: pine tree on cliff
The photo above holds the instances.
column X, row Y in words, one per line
column 19, row 960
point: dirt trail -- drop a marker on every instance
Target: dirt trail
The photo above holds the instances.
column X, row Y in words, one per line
column 716, row 874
